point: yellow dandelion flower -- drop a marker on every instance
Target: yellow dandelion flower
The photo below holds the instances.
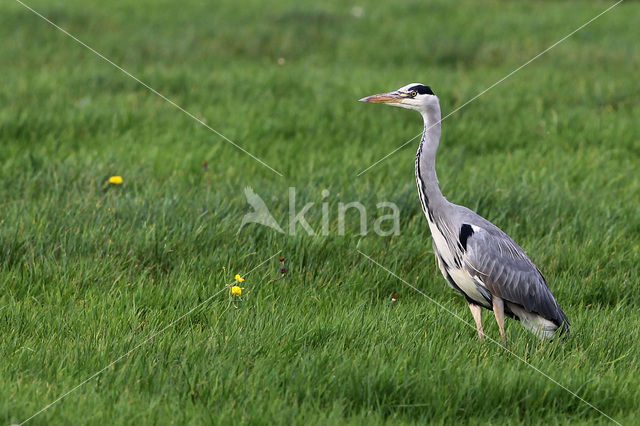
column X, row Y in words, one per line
column 239, row 278
column 116, row 180
column 236, row 291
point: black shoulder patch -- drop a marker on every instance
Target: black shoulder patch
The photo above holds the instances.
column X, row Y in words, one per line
column 422, row 89
column 465, row 232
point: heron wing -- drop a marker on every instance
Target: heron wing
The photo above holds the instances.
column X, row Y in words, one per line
column 506, row 270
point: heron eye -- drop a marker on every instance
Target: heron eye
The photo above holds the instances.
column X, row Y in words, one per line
column 413, row 93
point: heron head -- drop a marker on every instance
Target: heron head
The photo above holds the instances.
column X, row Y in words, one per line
column 412, row 96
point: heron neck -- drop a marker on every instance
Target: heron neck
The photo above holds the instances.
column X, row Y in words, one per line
column 426, row 158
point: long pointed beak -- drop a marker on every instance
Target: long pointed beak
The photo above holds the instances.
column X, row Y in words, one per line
column 384, row 98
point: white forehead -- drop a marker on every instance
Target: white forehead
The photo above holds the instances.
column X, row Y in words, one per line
column 408, row 86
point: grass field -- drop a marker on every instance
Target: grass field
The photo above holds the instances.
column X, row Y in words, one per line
column 88, row 271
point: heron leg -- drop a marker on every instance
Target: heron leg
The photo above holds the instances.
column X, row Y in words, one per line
column 476, row 311
column 498, row 310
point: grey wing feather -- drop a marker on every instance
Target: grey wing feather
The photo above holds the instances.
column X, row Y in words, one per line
column 508, row 272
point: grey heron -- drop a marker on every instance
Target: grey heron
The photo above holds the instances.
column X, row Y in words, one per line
column 476, row 258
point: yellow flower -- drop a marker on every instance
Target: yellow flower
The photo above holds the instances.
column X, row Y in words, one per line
column 236, row 291
column 239, row 278
column 116, row 180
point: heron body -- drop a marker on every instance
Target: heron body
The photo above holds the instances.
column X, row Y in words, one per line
column 476, row 258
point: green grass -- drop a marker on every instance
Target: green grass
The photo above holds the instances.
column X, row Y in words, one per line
column 87, row 271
